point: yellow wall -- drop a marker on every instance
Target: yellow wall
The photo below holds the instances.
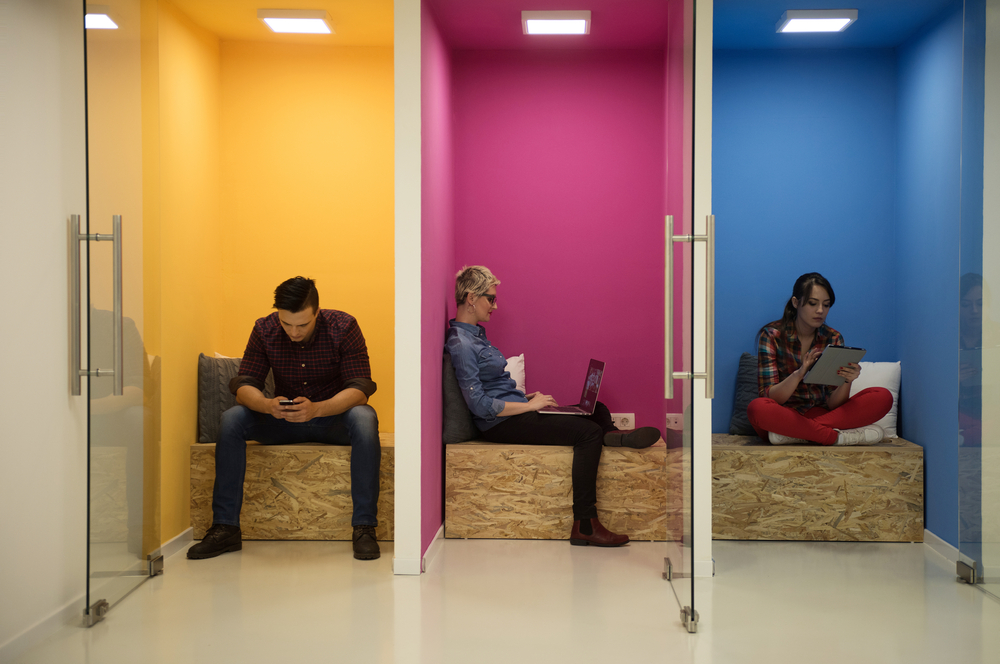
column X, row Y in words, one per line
column 275, row 160
column 307, row 189
column 192, row 310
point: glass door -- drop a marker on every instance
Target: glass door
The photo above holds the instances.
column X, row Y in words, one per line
column 122, row 537
column 979, row 308
column 688, row 247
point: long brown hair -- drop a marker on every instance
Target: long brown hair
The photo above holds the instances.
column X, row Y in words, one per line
column 801, row 290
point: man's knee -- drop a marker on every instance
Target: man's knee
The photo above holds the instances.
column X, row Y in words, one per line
column 235, row 419
column 362, row 421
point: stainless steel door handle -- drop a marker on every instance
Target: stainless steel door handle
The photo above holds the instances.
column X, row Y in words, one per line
column 75, row 360
column 709, row 374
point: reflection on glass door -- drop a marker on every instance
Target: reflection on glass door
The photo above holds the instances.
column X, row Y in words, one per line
column 979, row 310
column 681, row 239
column 120, row 373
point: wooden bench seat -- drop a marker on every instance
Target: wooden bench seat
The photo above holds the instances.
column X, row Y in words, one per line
column 507, row 491
column 812, row 492
column 293, row 492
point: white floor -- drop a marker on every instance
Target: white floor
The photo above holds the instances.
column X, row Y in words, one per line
column 547, row 602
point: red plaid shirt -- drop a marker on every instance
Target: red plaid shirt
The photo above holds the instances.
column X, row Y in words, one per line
column 334, row 358
column 779, row 355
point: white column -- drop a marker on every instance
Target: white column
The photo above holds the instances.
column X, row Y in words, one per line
column 702, row 407
column 406, row 62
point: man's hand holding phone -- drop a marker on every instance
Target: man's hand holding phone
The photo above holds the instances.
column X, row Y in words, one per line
column 299, row 409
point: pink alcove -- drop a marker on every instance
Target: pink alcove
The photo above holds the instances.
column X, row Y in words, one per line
column 553, row 161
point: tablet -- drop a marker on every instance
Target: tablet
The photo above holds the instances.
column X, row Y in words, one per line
column 825, row 370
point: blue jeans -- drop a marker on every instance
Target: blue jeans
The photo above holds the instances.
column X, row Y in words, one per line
column 357, row 427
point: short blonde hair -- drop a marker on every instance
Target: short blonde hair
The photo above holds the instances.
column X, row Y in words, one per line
column 475, row 279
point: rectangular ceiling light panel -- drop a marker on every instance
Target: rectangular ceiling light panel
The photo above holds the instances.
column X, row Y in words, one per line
column 556, row 23
column 98, row 18
column 299, row 21
column 816, row 20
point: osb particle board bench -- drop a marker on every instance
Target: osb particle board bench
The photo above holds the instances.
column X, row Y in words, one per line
column 812, row 492
column 293, row 492
column 504, row 491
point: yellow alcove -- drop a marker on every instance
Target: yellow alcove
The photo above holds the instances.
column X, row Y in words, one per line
column 275, row 160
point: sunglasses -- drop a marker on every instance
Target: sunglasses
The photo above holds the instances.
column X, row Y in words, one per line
column 492, row 299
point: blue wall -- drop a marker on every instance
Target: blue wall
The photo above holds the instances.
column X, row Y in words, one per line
column 804, row 153
column 930, row 114
column 872, row 202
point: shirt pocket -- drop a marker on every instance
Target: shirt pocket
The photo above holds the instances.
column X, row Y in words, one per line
column 491, row 363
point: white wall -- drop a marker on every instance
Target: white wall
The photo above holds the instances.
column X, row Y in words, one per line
column 991, row 305
column 406, row 62
column 702, row 407
column 43, row 452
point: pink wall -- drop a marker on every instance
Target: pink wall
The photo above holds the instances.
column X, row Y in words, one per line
column 437, row 248
column 559, row 188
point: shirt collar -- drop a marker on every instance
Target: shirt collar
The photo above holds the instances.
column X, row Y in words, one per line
column 475, row 330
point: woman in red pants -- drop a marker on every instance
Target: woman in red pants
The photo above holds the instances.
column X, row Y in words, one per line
column 790, row 411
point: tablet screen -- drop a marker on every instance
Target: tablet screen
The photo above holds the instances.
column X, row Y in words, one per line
column 824, row 372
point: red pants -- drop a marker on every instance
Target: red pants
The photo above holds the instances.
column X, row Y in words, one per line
column 818, row 424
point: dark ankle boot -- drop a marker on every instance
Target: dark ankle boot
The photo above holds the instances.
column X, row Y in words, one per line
column 640, row 438
column 600, row 536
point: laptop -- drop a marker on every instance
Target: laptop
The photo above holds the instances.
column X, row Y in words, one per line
column 588, row 400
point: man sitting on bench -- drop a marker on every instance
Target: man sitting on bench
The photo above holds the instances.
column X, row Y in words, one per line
column 323, row 381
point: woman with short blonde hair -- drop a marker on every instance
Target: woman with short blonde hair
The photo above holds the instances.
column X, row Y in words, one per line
column 504, row 414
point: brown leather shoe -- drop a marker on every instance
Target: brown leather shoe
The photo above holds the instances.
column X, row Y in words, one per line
column 365, row 544
column 600, row 537
column 219, row 539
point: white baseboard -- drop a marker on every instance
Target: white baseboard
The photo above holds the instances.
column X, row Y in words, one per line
column 177, row 544
column 940, row 547
column 406, row 566
column 71, row 614
column 433, row 549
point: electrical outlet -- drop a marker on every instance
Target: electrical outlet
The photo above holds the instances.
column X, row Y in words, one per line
column 623, row 420
column 675, row 421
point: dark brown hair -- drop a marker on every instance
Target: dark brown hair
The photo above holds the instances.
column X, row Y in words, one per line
column 800, row 291
column 296, row 294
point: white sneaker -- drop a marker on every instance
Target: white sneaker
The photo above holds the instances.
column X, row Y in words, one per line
column 778, row 439
column 868, row 435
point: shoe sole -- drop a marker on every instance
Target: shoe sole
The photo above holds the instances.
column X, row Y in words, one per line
column 366, row 556
column 581, row 542
column 212, row 554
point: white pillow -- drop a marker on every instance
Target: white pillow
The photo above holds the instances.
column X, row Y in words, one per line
column 515, row 365
column 881, row 374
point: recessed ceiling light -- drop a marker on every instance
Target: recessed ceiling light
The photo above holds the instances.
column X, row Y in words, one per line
column 98, row 18
column 816, row 20
column 556, row 23
column 301, row 21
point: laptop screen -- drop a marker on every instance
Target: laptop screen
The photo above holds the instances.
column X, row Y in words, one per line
column 595, row 372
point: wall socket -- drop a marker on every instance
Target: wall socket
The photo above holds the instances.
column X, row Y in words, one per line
column 623, row 421
column 675, row 421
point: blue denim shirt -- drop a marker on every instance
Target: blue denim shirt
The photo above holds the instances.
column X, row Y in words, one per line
column 480, row 369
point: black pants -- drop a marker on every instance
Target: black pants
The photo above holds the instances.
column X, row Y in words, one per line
column 584, row 434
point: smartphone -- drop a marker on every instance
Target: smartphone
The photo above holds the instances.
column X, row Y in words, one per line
column 287, row 402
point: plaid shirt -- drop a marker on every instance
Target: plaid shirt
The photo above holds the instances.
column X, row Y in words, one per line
column 334, row 358
column 779, row 355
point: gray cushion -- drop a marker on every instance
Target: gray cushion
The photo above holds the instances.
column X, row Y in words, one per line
column 746, row 391
column 458, row 425
column 214, row 397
